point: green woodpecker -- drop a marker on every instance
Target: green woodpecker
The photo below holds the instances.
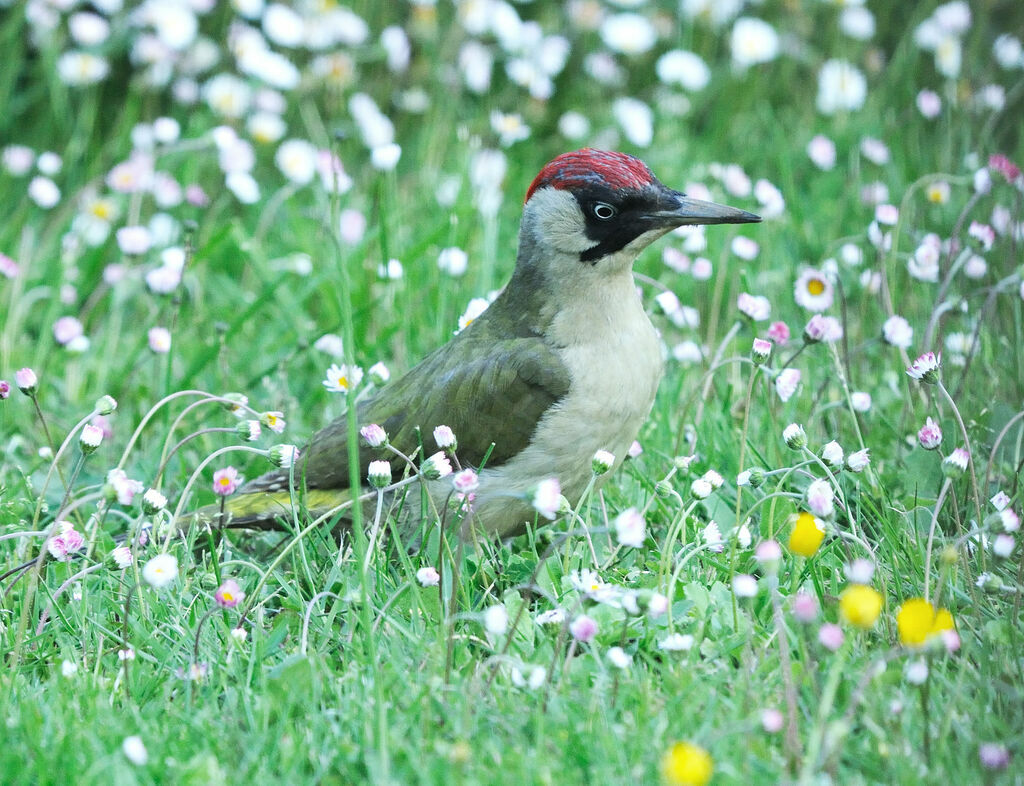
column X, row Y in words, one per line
column 562, row 364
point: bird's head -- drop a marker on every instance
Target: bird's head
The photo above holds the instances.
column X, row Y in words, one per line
column 604, row 208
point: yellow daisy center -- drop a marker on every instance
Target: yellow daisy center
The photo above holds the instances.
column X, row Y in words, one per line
column 815, row 286
column 102, row 209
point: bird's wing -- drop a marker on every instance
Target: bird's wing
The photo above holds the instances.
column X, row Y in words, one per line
column 487, row 391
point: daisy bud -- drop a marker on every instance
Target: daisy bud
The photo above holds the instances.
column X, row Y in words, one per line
column 153, row 502
column 466, row 481
column 682, row 463
column 26, row 380
column 373, row 435
column 120, row 487
column 445, row 439
column 547, row 498
column 744, row 586
column 832, row 455
column 630, row 528
column 663, row 489
column 926, row 368
column 122, row 556
column 379, row 474
column 654, row 603
column 772, row 721
column 630, row 605
column 993, row 756
column 860, row 401
column 66, row 543
column 619, row 658
column 428, row 577
column 819, row 499
column 249, row 430
column 930, row 435
column 805, row 607
column 602, row 462
column 235, row 403
column 768, row 555
column 496, row 620
column 283, row 456
column 676, row 642
column 105, row 405
column 5, row 389
column 743, row 536
column 714, row 478
column 134, row 750
column 757, row 477
column 712, row 537
column 778, row 332
column 379, row 374
column 701, row 488
column 1009, row 520
column 814, row 331
column 761, row 351
column 583, row 628
column 1000, row 500
column 436, row 466
column 795, row 436
column 955, row 464
column 830, row 636
column 90, row 438
column 858, row 461
column 989, row 582
column 786, row 383
column 554, row 616
column 860, row 571
column 916, row 672
column 1003, row 545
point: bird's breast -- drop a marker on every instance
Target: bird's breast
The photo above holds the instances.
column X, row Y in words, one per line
column 613, row 356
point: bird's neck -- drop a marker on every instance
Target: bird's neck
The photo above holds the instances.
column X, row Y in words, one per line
column 554, row 294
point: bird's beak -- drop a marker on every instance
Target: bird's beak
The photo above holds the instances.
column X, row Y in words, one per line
column 688, row 211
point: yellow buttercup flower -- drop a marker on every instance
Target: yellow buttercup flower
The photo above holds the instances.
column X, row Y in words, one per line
column 686, row 764
column 807, row 535
column 860, row 605
column 943, row 621
column 917, row 621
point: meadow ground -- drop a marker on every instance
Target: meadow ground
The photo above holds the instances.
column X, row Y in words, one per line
column 808, row 571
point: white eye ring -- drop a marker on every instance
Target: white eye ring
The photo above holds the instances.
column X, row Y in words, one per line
column 603, row 211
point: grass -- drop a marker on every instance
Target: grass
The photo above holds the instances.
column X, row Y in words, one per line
column 351, row 676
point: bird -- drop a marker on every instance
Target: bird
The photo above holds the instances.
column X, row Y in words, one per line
column 562, row 364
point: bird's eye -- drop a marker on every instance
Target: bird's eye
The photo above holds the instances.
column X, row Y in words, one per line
column 603, row 211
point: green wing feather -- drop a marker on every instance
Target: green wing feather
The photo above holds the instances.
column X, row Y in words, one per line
column 487, row 390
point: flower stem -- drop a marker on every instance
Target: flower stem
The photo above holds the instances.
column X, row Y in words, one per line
column 970, row 452
column 792, row 736
column 828, row 697
column 931, row 535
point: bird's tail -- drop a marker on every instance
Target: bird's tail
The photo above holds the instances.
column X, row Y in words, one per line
column 266, row 509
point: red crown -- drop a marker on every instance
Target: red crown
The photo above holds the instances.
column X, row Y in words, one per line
column 592, row 167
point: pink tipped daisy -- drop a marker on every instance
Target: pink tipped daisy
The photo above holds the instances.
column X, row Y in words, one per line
column 926, row 368
column 225, row 481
